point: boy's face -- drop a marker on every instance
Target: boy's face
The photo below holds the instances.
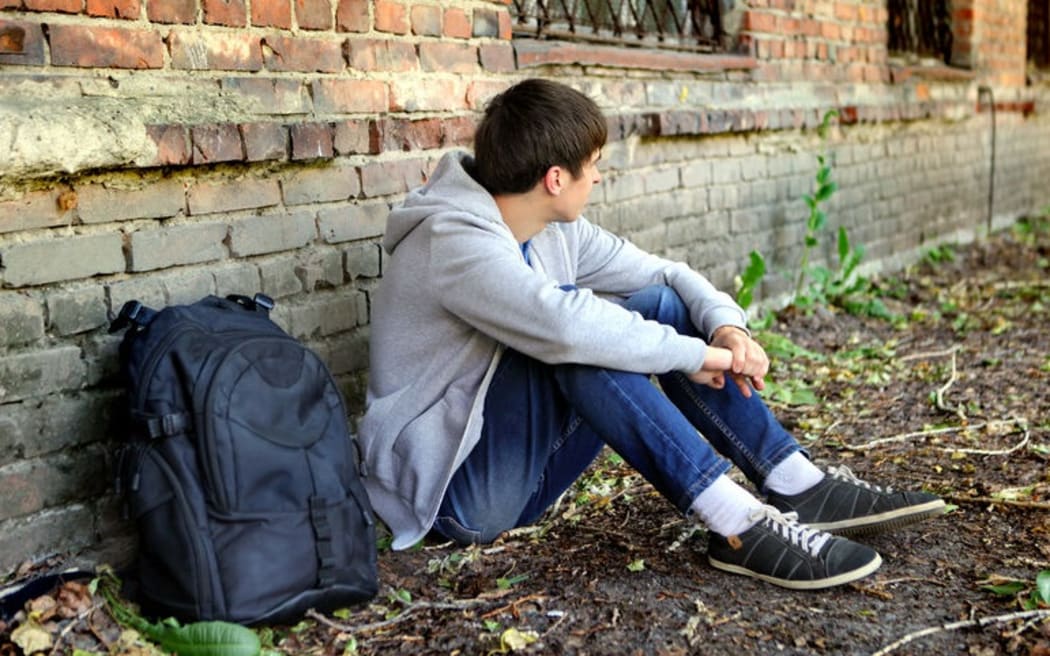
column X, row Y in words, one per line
column 576, row 191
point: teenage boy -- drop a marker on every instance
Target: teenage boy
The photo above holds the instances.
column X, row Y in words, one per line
column 512, row 339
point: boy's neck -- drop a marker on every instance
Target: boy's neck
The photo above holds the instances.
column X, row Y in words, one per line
column 525, row 214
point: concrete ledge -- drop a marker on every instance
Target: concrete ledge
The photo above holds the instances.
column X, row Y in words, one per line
column 534, row 52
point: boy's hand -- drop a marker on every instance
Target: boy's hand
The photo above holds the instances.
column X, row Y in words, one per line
column 713, row 372
column 750, row 364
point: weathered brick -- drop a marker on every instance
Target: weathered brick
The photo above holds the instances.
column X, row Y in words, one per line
column 314, row 14
column 66, row 258
column 458, row 131
column 157, row 199
column 264, row 141
column 102, row 360
column 320, row 185
column 312, row 141
column 146, row 289
column 183, row 286
column 382, row 179
column 103, row 47
column 497, row 57
column 76, row 310
column 353, row 16
column 301, row 318
column 391, row 17
column 274, row 96
column 303, row 55
column 38, row 209
column 437, row 95
column 61, row 6
column 362, row 260
column 456, row 24
column 353, row 222
column 277, row 278
column 426, row 20
column 114, row 8
column 272, row 233
column 173, row 145
column 397, row 134
column 21, row 318
column 231, row 13
column 55, row 422
column 32, row 485
column 505, row 26
column 21, row 43
column 321, row 270
column 486, row 23
column 272, row 13
column 352, row 138
column 172, row 11
column 175, row 245
column 216, row 143
column 69, row 529
column 658, row 181
column 235, row 278
column 381, row 55
column 480, row 92
column 696, row 174
column 339, row 312
column 232, row 195
column 199, row 51
column 35, row 373
column 350, row 96
column 448, row 57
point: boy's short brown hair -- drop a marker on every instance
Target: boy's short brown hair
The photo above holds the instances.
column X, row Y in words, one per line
column 530, row 127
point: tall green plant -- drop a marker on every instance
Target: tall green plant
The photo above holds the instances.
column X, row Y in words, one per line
column 817, row 219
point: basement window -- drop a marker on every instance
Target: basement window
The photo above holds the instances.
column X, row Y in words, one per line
column 920, row 29
column 688, row 25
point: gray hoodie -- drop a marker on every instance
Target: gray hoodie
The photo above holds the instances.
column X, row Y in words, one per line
column 456, row 290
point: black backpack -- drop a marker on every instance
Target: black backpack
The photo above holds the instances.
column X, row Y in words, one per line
column 240, row 471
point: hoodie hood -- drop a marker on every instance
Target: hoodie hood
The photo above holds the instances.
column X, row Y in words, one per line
column 450, row 188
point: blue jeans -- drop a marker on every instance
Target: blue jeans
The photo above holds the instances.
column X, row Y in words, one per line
column 544, row 424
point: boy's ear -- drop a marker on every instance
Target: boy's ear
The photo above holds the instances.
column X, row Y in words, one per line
column 554, row 180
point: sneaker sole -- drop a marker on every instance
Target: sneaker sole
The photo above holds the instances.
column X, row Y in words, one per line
column 886, row 521
column 816, row 584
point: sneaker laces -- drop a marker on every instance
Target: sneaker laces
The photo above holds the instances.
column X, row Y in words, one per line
column 844, row 473
column 787, row 525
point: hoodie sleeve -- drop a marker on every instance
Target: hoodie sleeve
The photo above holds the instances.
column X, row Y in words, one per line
column 611, row 265
column 479, row 275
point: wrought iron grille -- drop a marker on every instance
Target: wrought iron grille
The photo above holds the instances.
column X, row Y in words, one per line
column 676, row 24
column 1039, row 33
column 920, row 27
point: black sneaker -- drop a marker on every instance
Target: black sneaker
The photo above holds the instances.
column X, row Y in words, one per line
column 844, row 504
column 783, row 552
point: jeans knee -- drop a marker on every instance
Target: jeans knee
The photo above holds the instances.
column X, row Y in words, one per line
column 660, row 303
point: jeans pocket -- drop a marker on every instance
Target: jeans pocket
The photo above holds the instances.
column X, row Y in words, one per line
column 453, row 530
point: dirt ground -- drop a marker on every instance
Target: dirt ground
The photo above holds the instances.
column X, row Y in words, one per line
column 952, row 399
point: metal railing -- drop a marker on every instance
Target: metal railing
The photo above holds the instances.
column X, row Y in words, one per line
column 1039, row 33
column 677, row 24
column 920, row 27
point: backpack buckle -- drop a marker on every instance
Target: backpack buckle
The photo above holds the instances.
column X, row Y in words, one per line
column 133, row 312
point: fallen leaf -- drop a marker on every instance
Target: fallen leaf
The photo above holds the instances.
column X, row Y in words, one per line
column 513, row 639
column 31, row 638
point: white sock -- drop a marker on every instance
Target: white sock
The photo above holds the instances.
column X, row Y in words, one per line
column 725, row 507
column 794, row 474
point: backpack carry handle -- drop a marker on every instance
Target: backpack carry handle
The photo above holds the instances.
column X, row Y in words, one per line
column 133, row 312
column 258, row 303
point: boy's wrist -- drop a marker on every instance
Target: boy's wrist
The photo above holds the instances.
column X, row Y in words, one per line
column 721, row 329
